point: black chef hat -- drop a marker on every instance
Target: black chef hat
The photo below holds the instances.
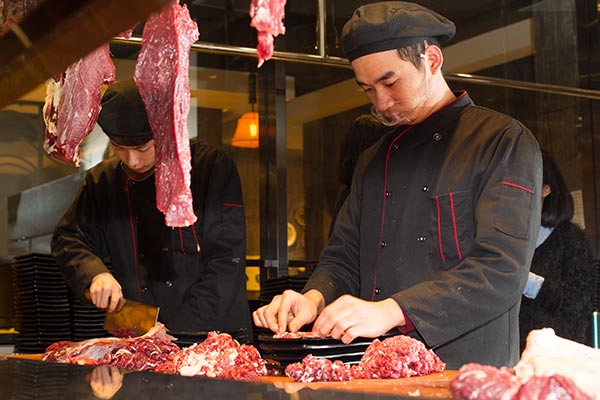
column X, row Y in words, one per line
column 392, row 25
column 123, row 114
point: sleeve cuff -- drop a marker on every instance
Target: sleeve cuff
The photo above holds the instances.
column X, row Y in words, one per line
column 408, row 326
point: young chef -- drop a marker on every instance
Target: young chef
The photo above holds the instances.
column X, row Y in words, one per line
column 437, row 234
column 196, row 275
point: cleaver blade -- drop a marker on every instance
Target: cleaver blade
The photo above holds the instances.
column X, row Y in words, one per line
column 133, row 319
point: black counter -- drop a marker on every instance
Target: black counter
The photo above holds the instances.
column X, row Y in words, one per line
column 30, row 379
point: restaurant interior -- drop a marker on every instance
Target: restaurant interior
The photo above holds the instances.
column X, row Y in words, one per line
column 284, row 123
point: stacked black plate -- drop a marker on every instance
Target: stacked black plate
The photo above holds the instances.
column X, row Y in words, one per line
column 281, row 352
column 87, row 321
column 42, row 309
column 275, row 286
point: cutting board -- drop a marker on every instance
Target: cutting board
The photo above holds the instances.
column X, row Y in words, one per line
column 430, row 386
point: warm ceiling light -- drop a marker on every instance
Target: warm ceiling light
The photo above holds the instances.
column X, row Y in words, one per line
column 246, row 132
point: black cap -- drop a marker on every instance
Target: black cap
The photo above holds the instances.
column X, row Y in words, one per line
column 392, row 25
column 123, row 113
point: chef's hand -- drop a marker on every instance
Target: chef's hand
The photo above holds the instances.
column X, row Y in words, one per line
column 105, row 292
column 349, row 317
column 105, row 381
column 290, row 310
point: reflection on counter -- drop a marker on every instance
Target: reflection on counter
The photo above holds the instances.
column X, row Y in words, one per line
column 29, row 379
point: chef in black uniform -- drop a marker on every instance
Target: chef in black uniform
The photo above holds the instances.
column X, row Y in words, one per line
column 438, row 232
column 196, row 274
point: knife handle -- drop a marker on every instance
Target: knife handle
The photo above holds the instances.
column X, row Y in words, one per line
column 88, row 297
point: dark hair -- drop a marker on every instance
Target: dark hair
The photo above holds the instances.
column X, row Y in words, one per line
column 364, row 131
column 130, row 141
column 558, row 205
column 413, row 53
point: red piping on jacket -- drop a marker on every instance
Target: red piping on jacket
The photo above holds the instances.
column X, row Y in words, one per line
column 439, row 227
column 135, row 260
column 454, row 227
column 387, row 159
column 517, row 186
column 233, row 205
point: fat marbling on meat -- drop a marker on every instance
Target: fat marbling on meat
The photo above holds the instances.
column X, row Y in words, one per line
column 162, row 76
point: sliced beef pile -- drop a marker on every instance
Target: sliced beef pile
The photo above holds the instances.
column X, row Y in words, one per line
column 267, row 17
column 72, row 104
column 162, row 76
column 143, row 353
column 218, row 356
column 318, row 369
column 395, row 357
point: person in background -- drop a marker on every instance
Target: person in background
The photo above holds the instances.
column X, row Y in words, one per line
column 364, row 131
column 560, row 287
column 196, row 274
column 437, row 234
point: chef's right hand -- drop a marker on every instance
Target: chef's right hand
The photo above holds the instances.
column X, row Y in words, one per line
column 290, row 310
column 105, row 292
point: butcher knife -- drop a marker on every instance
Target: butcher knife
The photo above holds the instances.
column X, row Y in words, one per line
column 131, row 318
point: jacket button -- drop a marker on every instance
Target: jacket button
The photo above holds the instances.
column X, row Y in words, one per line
column 141, row 256
column 383, row 244
column 144, row 289
column 395, row 147
column 425, row 189
column 169, row 283
column 165, row 249
column 388, row 193
column 437, row 136
column 421, row 238
column 377, row 291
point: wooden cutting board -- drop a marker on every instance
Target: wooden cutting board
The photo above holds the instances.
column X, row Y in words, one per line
column 431, row 386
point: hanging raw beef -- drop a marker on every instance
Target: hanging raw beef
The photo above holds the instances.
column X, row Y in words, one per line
column 162, row 76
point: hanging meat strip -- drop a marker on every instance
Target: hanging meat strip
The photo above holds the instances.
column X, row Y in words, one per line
column 267, row 18
column 162, row 76
column 73, row 103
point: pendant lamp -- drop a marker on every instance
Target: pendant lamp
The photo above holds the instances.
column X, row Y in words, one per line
column 246, row 132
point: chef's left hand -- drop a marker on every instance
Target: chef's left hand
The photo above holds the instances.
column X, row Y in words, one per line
column 349, row 317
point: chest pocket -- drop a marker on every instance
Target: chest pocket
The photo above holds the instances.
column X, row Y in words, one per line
column 186, row 241
column 451, row 227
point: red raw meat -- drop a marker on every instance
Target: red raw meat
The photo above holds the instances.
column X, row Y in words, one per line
column 554, row 387
column 317, row 369
column 140, row 353
column 296, row 335
column 162, row 76
column 484, row 382
column 73, row 104
column 218, row 356
column 267, row 17
column 395, row 357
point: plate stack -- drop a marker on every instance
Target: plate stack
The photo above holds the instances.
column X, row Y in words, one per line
column 87, row 321
column 41, row 301
column 280, row 352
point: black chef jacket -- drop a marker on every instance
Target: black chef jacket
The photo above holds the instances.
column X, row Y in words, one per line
column 196, row 275
column 443, row 218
